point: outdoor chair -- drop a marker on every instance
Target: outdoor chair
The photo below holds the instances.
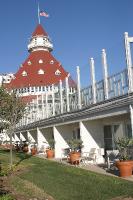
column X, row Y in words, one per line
column 111, row 157
column 89, row 157
column 65, row 154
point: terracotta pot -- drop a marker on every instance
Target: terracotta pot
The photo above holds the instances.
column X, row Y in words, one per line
column 34, row 151
column 74, row 157
column 25, row 149
column 125, row 168
column 50, row 153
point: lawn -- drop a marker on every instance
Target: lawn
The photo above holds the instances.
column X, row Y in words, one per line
column 64, row 182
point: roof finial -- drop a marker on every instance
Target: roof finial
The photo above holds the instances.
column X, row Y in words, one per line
column 38, row 13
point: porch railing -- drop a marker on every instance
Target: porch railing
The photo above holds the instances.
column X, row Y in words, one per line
column 117, row 86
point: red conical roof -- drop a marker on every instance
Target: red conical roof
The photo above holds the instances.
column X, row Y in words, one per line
column 39, row 31
column 39, row 69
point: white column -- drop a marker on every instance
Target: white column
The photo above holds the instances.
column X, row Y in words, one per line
column 131, row 117
column 37, row 108
column 105, row 73
column 86, row 137
column 53, row 99
column 89, row 142
column 30, row 138
column 22, row 137
column 46, row 100
column 7, row 138
column 67, row 94
column 78, row 87
column 42, row 143
column 16, row 137
column 61, row 98
column 93, row 81
column 60, row 143
column 42, row 106
column 129, row 62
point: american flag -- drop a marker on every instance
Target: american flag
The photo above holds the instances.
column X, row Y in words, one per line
column 44, row 14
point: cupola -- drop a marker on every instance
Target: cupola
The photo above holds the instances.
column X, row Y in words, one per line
column 40, row 40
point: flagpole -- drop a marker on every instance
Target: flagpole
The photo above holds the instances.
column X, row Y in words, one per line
column 38, row 13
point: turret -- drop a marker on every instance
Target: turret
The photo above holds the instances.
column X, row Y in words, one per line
column 40, row 40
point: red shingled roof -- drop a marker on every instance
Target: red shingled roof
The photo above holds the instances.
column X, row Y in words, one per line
column 39, row 31
column 31, row 66
column 39, row 61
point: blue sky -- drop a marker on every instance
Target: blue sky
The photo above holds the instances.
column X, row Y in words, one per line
column 79, row 30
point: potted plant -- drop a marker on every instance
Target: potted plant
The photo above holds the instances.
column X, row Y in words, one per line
column 25, row 147
column 125, row 164
column 33, row 149
column 75, row 146
column 50, row 150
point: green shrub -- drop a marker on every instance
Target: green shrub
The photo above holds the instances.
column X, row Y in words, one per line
column 6, row 197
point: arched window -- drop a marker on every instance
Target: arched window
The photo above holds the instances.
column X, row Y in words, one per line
column 24, row 73
column 29, row 62
column 57, row 73
column 51, row 62
column 40, row 71
column 40, row 61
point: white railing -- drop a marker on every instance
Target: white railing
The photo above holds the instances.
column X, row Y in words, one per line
column 117, row 86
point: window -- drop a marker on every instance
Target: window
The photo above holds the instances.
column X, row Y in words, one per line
column 51, row 62
column 128, row 130
column 32, row 89
column 43, row 88
column 76, row 134
column 24, row 90
column 111, row 133
column 108, row 138
column 24, row 73
column 57, row 73
column 36, row 88
column 40, row 61
column 29, row 62
column 28, row 89
column 40, row 88
column 41, row 71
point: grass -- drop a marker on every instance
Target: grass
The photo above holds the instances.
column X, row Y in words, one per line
column 6, row 197
column 64, row 182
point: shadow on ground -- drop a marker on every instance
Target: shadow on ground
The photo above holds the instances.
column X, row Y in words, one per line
column 2, row 190
column 22, row 157
column 113, row 170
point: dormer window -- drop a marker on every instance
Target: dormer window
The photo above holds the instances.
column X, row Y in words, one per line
column 57, row 73
column 51, row 62
column 24, row 73
column 41, row 71
column 45, row 39
column 29, row 62
column 40, row 61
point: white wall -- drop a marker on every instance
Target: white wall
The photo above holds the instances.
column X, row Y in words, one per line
column 92, row 134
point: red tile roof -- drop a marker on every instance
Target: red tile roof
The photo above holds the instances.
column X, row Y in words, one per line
column 39, row 31
column 31, row 66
